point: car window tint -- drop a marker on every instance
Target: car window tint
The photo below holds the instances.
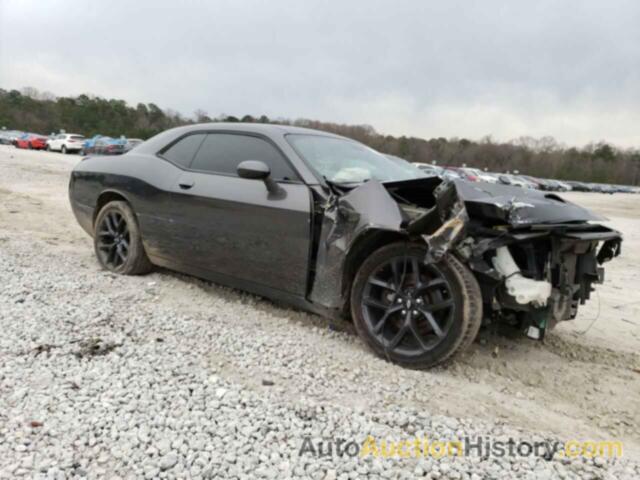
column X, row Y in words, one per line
column 222, row 152
column 183, row 151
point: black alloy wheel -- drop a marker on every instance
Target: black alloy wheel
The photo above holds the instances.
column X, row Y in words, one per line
column 407, row 305
column 117, row 240
column 113, row 240
column 414, row 313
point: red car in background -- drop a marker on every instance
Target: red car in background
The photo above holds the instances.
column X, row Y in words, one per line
column 32, row 142
column 463, row 174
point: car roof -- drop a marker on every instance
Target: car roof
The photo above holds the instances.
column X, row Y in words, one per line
column 269, row 130
column 265, row 128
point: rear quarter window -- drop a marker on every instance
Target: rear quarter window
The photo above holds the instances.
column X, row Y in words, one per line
column 183, row 151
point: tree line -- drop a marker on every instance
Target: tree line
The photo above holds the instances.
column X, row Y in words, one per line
column 42, row 112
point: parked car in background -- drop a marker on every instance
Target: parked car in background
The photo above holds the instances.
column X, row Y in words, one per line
column 602, row 188
column 540, row 183
column 8, row 137
column 550, row 185
column 31, row 141
column 556, row 185
column 66, row 142
column 447, row 173
column 564, row 186
column 624, row 188
column 578, row 186
column 480, row 175
column 430, row 170
column 529, row 183
column 452, row 174
column 88, row 144
column 515, row 180
column 104, row 146
column 462, row 175
column 20, row 139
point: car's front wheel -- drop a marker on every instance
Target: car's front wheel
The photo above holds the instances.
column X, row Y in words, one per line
column 412, row 313
column 117, row 240
column 64, row 149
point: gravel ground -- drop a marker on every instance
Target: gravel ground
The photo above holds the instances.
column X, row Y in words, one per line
column 166, row 376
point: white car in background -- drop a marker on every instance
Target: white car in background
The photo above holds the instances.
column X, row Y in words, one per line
column 65, row 142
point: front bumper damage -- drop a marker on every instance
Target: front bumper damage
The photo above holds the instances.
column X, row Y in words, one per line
column 536, row 257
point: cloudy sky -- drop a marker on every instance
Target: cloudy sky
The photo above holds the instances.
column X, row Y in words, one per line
column 570, row 69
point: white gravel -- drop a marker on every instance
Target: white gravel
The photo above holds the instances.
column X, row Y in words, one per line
column 165, row 376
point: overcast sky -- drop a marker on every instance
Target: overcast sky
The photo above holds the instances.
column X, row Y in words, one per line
column 570, row 69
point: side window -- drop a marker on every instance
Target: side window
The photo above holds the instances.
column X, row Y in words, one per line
column 184, row 150
column 222, row 152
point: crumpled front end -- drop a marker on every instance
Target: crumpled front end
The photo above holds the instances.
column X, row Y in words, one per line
column 536, row 256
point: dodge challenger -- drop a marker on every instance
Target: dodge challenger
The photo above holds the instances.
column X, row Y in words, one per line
column 329, row 225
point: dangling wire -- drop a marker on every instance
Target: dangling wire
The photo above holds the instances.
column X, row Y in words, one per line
column 596, row 317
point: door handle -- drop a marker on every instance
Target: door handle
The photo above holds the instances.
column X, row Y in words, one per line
column 186, row 184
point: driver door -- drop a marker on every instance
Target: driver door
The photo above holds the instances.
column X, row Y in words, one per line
column 234, row 226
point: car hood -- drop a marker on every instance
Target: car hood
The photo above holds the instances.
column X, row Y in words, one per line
column 515, row 206
column 519, row 206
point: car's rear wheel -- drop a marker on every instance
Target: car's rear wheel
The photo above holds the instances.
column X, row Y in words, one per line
column 117, row 240
column 415, row 314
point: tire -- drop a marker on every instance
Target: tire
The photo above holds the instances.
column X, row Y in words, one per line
column 64, row 149
column 472, row 303
column 447, row 291
column 111, row 235
column 47, row 148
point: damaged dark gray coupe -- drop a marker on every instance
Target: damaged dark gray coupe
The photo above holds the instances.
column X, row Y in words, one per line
column 331, row 226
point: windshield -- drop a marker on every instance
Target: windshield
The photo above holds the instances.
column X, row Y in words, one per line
column 345, row 161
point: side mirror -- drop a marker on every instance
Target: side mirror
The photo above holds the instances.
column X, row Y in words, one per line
column 254, row 169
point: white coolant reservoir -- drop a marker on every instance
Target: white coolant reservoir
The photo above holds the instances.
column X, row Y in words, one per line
column 524, row 290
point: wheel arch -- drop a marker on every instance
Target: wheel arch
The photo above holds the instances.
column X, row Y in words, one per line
column 106, row 197
column 364, row 245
